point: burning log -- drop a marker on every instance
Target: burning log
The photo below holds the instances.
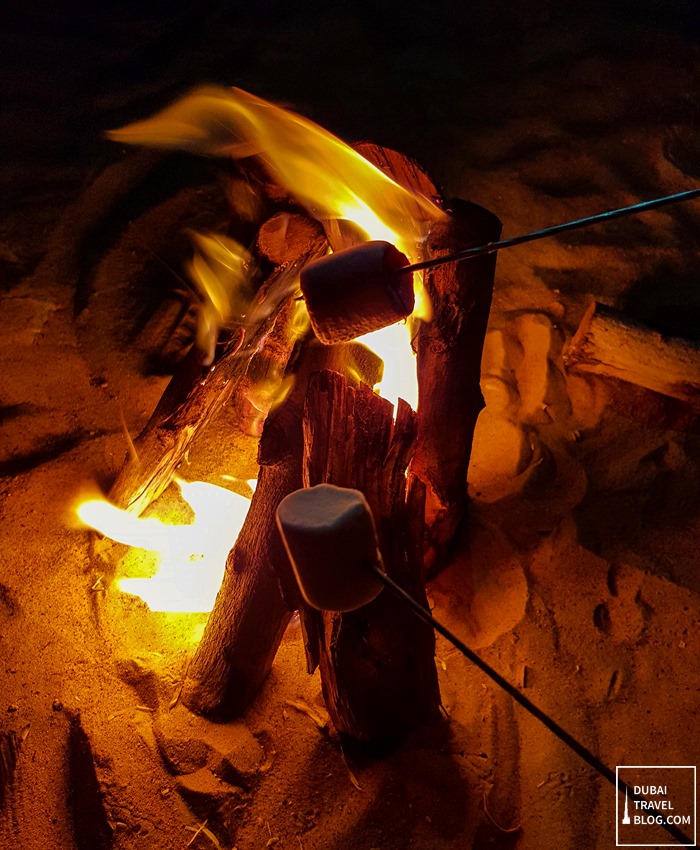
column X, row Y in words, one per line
column 401, row 168
column 609, row 344
column 246, row 625
column 196, row 392
column 377, row 662
column 449, row 349
column 449, row 370
column 253, row 606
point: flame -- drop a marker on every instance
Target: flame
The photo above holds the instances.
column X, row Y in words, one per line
column 329, row 178
column 189, row 559
column 220, row 270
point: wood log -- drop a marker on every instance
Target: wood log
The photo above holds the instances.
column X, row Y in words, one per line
column 405, row 171
column 286, row 236
column 196, row 393
column 449, row 349
column 609, row 344
column 258, row 594
column 377, row 663
column 249, row 617
column 401, row 168
column 449, row 371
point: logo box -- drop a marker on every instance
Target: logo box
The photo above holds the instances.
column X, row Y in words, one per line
column 671, row 793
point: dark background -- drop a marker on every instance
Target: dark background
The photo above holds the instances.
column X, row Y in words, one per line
column 481, row 94
column 419, row 77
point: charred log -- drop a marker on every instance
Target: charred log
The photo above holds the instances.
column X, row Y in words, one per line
column 449, row 371
column 449, row 349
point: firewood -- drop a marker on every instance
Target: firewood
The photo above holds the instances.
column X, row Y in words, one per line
column 249, row 617
column 258, row 593
column 401, row 168
column 286, row 237
column 195, row 393
column 449, row 351
column 449, row 371
column 341, row 233
column 360, row 366
column 609, row 344
column 377, row 663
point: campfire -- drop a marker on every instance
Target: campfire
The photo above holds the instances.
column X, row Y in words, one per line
column 318, row 362
column 315, row 362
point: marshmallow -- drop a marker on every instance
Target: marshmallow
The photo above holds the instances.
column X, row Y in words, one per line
column 353, row 292
column 331, row 541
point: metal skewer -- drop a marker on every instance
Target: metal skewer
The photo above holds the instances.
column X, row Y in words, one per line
column 326, row 525
column 478, row 251
column 571, row 742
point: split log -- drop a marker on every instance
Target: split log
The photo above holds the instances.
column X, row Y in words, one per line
column 253, row 607
column 449, row 370
column 401, row 168
column 377, row 663
column 609, row 344
column 196, row 393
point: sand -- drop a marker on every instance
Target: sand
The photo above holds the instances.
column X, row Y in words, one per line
column 577, row 579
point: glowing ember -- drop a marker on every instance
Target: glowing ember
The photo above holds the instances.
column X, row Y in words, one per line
column 325, row 175
column 190, row 559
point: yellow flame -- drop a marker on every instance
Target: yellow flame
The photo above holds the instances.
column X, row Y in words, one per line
column 324, row 174
column 190, row 559
column 327, row 176
column 220, row 269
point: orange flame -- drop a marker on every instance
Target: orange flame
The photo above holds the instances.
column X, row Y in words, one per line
column 220, row 269
column 327, row 176
column 324, row 174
